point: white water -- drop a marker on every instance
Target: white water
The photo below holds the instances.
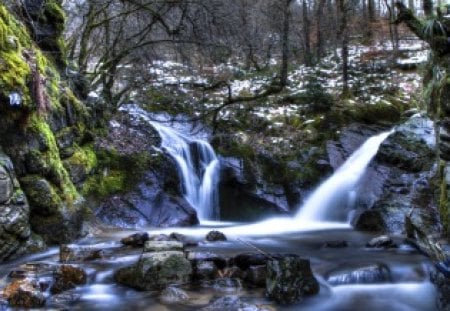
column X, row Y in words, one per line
column 340, row 188
column 197, row 163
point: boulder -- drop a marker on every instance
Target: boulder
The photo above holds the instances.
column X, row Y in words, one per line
column 290, row 279
column 215, row 236
column 219, row 261
column 245, row 260
column 68, row 277
column 155, row 271
column 24, row 293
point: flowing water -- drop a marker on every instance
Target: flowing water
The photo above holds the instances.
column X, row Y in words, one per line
column 197, row 163
column 345, row 282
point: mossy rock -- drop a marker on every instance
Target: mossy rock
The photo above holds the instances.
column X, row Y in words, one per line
column 81, row 163
column 41, row 195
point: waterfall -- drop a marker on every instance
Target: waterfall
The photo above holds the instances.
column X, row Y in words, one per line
column 338, row 192
column 197, row 163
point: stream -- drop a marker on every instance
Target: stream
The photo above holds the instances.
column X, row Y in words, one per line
column 345, row 273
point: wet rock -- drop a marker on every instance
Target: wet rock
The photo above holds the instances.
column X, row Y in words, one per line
column 232, row 303
column 62, row 300
column 219, row 261
column 24, row 294
column 290, row 279
column 162, row 246
column 155, row 271
column 245, row 260
column 256, row 275
column 442, row 283
column 173, row 295
column 225, row 284
column 73, row 253
column 215, row 236
column 136, row 239
column 15, row 229
column 204, row 270
column 383, row 241
column 370, row 220
column 182, row 238
column 160, row 237
column 336, row 244
column 364, row 275
column 6, row 186
column 68, row 277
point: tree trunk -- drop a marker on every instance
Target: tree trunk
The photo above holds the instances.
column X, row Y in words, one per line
column 343, row 35
column 285, row 43
column 306, row 34
column 319, row 38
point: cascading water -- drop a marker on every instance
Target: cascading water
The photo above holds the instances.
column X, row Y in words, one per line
column 197, row 163
column 338, row 191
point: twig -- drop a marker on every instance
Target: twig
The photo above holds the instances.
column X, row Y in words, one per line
column 256, row 248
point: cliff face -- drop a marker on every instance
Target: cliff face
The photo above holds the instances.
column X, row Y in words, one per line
column 44, row 129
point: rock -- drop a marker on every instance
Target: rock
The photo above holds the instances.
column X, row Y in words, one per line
column 24, row 294
column 336, row 244
column 68, row 277
column 162, row 246
column 136, row 240
column 290, row 279
column 173, row 295
column 370, row 220
column 442, row 284
column 245, row 260
column 364, row 275
column 382, row 241
column 219, row 261
column 215, row 236
column 225, row 284
column 204, row 270
column 182, row 238
column 73, row 253
column 155, row 271
column 256, row 275
column 232, row 303
column 6, row 186
column 15, row 229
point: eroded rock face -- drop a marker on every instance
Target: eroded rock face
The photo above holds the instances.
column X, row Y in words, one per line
column 14, row 212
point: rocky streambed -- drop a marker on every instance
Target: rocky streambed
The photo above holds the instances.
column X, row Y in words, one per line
column 335, row 269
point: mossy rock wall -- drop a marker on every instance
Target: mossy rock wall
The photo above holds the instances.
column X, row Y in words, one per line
column 44, row 128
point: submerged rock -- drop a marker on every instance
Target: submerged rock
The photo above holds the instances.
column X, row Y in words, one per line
column 162, row 246
column 290, row 279
column 232, row 303
column 383, row 241
column 155, row 271
column 173, row 295
column 364, row 275
column 73, row 253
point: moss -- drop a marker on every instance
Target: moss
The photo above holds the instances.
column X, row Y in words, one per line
column 42, row 196
column 102, row 186
column 57, row 173
column 443, row 200
column 55, row 14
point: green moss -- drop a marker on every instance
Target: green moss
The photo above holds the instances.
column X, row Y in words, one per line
column 104, row 185
column 55, row 14
column 42, row 195
column 57, row 173
column 84, row 156
column 444, row 210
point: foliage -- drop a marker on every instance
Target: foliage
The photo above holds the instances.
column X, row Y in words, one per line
column 316, row 97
